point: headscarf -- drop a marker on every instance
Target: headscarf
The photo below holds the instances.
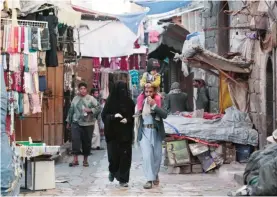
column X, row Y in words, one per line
column 119, row 99
column 175, row 88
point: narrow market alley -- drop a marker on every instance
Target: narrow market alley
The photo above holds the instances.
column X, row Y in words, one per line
column 93, row 181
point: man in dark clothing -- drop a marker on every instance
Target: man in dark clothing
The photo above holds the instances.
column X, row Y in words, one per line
column 176, row 100
column 202, row 101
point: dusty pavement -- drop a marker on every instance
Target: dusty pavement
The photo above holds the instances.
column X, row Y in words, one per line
column 93, row 181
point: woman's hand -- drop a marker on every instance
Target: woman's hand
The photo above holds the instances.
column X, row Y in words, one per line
column 124, row 121
column 68, row 126
column 118, row 115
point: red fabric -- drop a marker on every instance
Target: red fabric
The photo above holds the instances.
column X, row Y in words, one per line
column 105, row 62
column 8, row 80
column 123, row 63
column 143, row 61
column 208, row 116
column 182, row 137
column 134, row 64
column 141, row 98
column 16, row 37
column 8, row 124
column 136, row 45
column 95, row 62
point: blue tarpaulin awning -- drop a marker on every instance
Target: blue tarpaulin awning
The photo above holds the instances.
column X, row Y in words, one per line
column 162, row 6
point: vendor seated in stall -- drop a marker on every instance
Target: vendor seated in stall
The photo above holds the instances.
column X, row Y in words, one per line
column 176, row 100
column 202, row 101
column 151, row 78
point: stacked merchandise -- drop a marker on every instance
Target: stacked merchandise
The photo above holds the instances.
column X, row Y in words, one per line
column 23, row 59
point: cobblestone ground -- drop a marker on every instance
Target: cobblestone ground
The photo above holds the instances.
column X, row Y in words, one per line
column 93, row 181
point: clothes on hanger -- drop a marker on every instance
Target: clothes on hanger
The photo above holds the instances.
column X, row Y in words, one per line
column 114, row 63
column 123, row 63
column 105, row 62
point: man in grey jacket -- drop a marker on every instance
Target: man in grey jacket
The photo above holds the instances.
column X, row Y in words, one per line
column 202, row 101
column 151, row 133
column 176, row 100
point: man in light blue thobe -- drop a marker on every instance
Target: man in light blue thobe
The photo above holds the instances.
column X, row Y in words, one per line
column 150, row 135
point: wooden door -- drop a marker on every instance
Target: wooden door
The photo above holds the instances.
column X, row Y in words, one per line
column 53, row 107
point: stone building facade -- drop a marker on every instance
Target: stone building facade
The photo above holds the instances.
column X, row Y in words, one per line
column 261, row 79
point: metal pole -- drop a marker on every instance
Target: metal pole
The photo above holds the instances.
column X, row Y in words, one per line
column 274, row 87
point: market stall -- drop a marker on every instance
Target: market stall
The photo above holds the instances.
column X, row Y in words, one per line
column 25, row 50
column 209, row 140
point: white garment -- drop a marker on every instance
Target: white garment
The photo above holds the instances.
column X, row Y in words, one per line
column 26, row 40
column 136, row 127
column 95, row 142
column 146, row 109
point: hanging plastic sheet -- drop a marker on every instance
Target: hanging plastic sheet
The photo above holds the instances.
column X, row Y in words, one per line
column 161, row 6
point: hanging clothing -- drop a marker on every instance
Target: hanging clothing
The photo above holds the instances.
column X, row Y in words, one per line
column 134, row 63
column 35, row 38
column 45, row 39
column 105, row 62
column 105, row 84
column 96, row 62
column 26, row 40
column 51, row 55
column 114, row 64
column 26, row 105
column 36, row 103
column 123, row 63
column 119, row 136
column 134, row 77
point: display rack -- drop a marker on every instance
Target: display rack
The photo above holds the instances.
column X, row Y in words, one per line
column 41, row 24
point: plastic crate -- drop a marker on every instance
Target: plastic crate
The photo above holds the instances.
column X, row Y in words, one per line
column 243, row 152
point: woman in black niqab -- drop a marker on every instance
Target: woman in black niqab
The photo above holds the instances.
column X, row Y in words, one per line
column 117, row 116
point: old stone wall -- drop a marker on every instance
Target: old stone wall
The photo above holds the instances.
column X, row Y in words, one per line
column 260, row 83
column 209, row 18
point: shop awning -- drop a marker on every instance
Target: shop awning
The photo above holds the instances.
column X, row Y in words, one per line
column 172, row 35
column 162, row 6
column 106, row 39
column 202, row 58
column 128, row 13
column 65, row 13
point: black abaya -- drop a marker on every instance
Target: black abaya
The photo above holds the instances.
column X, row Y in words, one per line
column 119, row 136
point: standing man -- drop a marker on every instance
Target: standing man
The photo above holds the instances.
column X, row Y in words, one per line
column 81, row 118
column 177, row 101
column 96, row 138
column 151, row 133
column 202, row 101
